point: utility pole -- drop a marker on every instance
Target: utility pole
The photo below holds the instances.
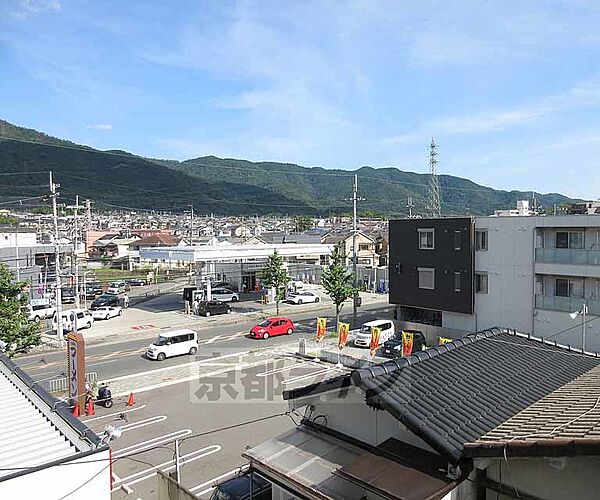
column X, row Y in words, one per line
column 355, row 199
column 18, row 266
column 76, row 207
column 192, row 225
column 58, row 292
column 410, row 205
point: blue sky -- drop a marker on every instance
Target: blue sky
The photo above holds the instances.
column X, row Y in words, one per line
column 510, row 90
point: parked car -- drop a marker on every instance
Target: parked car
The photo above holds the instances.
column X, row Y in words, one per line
column 92, row 290
column 302, row 297
column 117, row 287
column 173, row 343
column 270, row 327
column 210, row 308
column 136, row 282
column 105, row 300
column 225, row 284
column 67, row 295
column 79, row 318
column 362, row 337
column 224, row 295
column 246, row 486
column 392, row 348
column 38, row 309
column 107, row 312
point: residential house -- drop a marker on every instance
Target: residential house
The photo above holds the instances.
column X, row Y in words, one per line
column 156, row 241
column 365, row 247
column 493, row 415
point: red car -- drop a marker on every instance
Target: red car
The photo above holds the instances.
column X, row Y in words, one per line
column 270, row 327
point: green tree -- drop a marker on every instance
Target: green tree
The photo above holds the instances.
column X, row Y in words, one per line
column 8, row 220
column 337, row 281
column 274, row 275
column 303, row 223
column 16, row 331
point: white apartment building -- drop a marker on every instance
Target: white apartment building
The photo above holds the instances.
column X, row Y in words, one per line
column 528, row 273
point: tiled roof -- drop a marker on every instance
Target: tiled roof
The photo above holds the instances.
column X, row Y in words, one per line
column 454, row 394
column 570, row 415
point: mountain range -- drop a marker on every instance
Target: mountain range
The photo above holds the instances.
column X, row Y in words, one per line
column 117, row 179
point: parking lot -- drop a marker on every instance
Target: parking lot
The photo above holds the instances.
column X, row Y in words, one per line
column 228, row 394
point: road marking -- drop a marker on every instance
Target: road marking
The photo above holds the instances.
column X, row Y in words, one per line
column 167, row 383
column 143, row 327
column 143, row 423
column 150, row 443
column 310, row 375
column 213, row 480
column 115, row 413
column 287, row 368
column 182, row 365
column 167, row 466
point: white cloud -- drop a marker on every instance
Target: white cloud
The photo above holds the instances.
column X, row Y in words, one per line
column 582, row 95
column 29, row 8
column 99, row 126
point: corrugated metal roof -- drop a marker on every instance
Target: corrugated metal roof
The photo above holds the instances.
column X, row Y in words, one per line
column 32, row 433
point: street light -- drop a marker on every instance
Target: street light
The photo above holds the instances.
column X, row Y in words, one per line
column 581, row 312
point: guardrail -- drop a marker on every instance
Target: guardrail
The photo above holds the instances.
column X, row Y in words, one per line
column 61, row 384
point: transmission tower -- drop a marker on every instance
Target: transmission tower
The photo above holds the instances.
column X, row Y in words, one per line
column 434, row 203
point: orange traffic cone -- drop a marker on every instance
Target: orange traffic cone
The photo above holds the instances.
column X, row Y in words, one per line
column 90, row 408
column 76, row 411
column 130, row 401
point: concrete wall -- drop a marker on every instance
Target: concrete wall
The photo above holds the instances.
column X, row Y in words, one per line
column 60, row 481
column 351, row 416
column 509, row 265
column 548, row 478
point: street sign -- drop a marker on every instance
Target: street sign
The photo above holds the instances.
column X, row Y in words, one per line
column 76, row 368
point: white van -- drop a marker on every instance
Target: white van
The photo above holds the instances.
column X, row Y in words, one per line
column 38, row 309
column 82, row 318
column 362, row 337
column 173, row 343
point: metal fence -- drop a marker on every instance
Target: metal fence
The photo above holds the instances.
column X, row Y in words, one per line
column 61, row 384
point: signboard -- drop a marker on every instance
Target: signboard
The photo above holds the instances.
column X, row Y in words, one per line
column 321, row 328
column 76, row 368
column 343, row 335
column 375, row 334
column 407, row 343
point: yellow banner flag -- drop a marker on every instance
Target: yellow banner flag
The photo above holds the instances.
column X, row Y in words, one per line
column 375, row 333
column 407, row 343
column 343, row 335
column 444, row 340
column 321, row 328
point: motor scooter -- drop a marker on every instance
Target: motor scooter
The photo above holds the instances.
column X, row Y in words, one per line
column 104, row 396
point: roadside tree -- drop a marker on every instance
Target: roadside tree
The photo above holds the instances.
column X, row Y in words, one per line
column 337, row 281
column 17, row 333
column 275, row 276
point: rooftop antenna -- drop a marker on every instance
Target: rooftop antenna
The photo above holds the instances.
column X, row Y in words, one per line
column 434, row 202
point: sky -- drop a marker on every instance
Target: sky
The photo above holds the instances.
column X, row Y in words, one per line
column 510, row 90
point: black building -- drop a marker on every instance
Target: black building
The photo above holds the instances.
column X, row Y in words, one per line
column 431, row 268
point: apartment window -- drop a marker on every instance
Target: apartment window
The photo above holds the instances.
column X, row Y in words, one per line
column 568, row 287
column 569, row 239
column 481, row 283
column 457, row 240
column 426, row 239
column 363, row 247
column 481, row 239
column 539, row 285
column 457, row 282
column 426, row 278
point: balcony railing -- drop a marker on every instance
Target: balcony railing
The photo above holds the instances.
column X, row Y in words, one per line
column 568, row 256
column 566, row 304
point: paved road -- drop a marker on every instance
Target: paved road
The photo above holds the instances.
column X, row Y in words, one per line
column 116, row 359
